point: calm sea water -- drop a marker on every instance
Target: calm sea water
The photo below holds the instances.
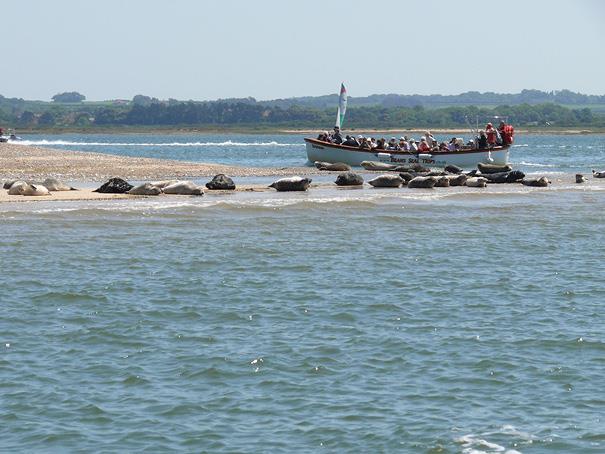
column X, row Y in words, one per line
column 331, row 321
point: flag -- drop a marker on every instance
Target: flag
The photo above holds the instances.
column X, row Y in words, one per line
column 342, row 106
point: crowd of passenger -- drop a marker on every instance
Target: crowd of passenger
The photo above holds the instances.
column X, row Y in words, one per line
column 487, row 139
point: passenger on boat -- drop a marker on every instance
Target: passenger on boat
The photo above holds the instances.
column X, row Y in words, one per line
column 336, row 137
column 365, row 144
column 452, row 145
column 324, row 136
column 403, row 144
column 483, row 141
column 392, row 146
column 443, row 146
column 373, row 143
column 381, row 144
column 430, row 140
column 507, row 132
column 490, row 132
column 413, row 145
column 424, row 146
column 350, row 141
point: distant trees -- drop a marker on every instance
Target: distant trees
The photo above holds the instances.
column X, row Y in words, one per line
column 71, row 96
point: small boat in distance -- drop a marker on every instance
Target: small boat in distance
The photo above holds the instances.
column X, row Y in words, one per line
column 318, row 150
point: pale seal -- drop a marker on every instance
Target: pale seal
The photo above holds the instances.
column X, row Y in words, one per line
column 476, row 182
column 17, row 187
column 145, row 189
column 184, row 188
column 600, row 174
column 291, row 184
column 376, row 165
column 52, row 184
column 457, row 180
column 386, row 181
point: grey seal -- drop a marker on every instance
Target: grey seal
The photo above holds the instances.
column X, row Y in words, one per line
column 422, row 182
column 23, row 188
column 221, row 181
column 407, row 176
column 457, row 180
column 291, row 184
column 504, row 177
column 599, row 174
column 17, row 187
column 386, row 181
column 184, row 188
column 442, row 182
column 52, row 184
column 494, row 168
column 580, row 178
column 476, row 182
column 541, row 182
column 453, row 169
column 349, row 179
column 145, row 189
column 336, row 166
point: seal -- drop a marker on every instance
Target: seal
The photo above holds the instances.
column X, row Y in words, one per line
column 8, row 184
column 407, row 176
column 114, row 186
column 422, row 182
column 291, row 184
column 494, row 168
column 145, row 189
column 541, row 182
column 349, row 179
column 451, row 168
column 442, row 182
column 505, row 177
column 17, row 187
column 386, row 181
column 184, row 188
column 600, row 174
column 161, row 184
column 580, row 178
column 221, row 181
column 457, row 180
column 376, row 165
column 52, row 184
column 22, row 188
column 336, row 166
column 476, row 182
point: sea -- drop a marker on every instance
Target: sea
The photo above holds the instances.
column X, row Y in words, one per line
column 409, row 321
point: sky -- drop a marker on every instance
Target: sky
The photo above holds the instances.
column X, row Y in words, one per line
column 267, row 49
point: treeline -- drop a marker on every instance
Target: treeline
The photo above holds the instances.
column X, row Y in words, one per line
column 223, row 113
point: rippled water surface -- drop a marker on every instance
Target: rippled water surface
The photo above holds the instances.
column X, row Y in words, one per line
column 336, row 321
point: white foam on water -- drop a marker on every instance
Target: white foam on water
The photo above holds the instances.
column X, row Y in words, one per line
column 227, row 143
column 533, row 164
column 473, row 444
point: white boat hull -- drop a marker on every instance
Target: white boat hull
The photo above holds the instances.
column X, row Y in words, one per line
column 321, row 151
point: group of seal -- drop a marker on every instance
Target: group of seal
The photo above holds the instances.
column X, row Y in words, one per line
column 21, row 187
column 172, row 187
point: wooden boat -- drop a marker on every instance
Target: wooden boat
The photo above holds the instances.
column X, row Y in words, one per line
column 318, row 150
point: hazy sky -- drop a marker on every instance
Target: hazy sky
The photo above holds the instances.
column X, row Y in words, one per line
column 188, row 49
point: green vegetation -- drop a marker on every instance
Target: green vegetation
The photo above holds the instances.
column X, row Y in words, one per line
column 247, row 113
column 72, row 96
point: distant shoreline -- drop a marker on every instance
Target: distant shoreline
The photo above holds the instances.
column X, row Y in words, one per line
column 288, row 130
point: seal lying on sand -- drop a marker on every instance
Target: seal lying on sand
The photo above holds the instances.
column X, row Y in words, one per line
column 442, row 182
column 541, row 182
column 291, row 184
column 163, row 184
column 23, row 188
column 505, row 177
column 600, row 174
column 422, row 182
column 221, row 181
column 337, row 166
column 457, row 180
column 376, row 165
column 184, row 188
column 407, row 176
column 580, row 178
column 52, row 184
column 145, row 189
column 476, row 182
column 349, row 179
column 8, row 184
column 386, row 181
column 114, row 186
column 493, row 168
column 453, row 169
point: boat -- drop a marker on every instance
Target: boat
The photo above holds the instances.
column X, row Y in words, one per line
column 318, row 150
column 465, row 156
